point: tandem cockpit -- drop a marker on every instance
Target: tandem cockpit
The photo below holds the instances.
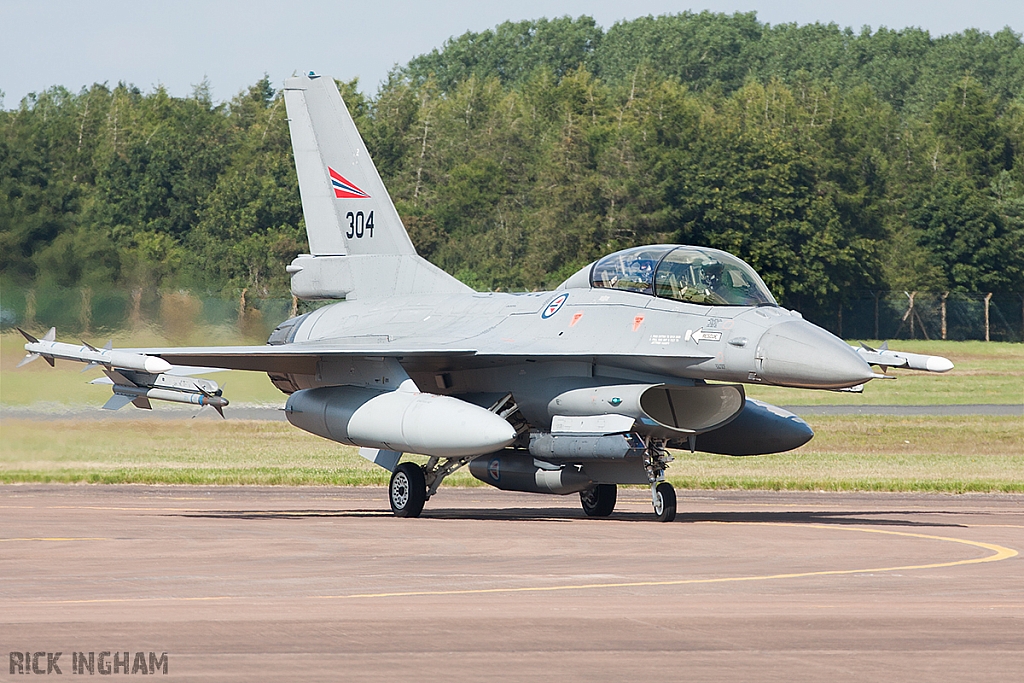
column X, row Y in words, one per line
column 696, row 275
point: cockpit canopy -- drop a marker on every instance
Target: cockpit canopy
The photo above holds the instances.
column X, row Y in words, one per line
column 694, row 275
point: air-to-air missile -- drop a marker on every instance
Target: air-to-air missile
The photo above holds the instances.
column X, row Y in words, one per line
column 885, row 358
column 87, row 353
column 134, row 377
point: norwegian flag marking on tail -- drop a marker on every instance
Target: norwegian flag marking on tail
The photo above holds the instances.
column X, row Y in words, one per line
column 344, row 188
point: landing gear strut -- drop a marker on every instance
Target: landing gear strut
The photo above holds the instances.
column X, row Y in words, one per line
column 599, row 501
column 663, row 496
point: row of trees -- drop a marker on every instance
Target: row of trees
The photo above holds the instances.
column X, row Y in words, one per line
column 833, row 162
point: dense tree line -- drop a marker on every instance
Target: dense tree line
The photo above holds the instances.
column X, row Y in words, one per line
column 830, row 160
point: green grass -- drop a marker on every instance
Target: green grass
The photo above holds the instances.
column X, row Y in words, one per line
column 918, row 453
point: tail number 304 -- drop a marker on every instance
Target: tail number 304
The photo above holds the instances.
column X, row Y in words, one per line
column 359, row 225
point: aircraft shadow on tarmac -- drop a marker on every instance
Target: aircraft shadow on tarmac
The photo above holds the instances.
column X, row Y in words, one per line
column 564, row 515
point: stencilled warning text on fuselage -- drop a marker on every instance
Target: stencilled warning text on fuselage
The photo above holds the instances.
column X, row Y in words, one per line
column 665, row 339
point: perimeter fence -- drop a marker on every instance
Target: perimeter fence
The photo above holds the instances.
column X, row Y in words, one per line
column 998, row 316
column 995, row 316
column 176, row 314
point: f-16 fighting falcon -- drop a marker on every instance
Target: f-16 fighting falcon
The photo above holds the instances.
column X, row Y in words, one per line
column 575, row 390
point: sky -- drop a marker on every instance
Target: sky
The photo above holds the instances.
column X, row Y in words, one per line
column 232, row 44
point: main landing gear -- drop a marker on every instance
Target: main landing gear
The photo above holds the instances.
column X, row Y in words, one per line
column 407, row 490
column 412, row 485
column 599, row 501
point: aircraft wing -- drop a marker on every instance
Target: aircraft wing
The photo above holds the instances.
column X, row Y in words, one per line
column 301, row 358
column 294, row 358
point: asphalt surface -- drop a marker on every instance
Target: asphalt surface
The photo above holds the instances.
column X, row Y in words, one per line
column 250, row 584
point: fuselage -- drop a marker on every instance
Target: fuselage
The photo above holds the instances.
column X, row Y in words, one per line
column 621, row 332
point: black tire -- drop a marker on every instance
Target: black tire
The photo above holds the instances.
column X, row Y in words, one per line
column 407, row 490
column 599, row 501
column 667, row 497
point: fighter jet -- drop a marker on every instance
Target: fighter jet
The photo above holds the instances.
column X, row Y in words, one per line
column 575, row 390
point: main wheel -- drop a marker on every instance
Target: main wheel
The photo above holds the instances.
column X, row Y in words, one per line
column 665, row 502
column 407, row 490
column 599, row 501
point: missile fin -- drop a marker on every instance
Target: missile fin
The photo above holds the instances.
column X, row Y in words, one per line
column 90, row 366
column 218, row 408
column 103, row 380
column 28, row 359
column 51, row 335
column 49, row 359
column 89, row 346
column 109, row 345
column 118, row 378
column 116, row 402
column 28, row 336
column 142, row 402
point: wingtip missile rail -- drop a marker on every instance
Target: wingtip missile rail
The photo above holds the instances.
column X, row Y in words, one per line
column 50, row 349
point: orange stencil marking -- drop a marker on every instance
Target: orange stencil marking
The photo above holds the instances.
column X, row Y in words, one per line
column 576, row 318
column 637, row 321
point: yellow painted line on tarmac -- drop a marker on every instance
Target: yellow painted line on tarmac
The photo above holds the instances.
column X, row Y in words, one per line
column 54, row 538
column 998, row 553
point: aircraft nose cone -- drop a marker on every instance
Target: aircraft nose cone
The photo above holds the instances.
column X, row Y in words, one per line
column 798, row 354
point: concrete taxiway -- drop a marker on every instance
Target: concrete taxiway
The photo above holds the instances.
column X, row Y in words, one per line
column 244, row 584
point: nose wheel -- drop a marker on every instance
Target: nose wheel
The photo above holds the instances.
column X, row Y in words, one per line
column 663, row 496
column 407, row 490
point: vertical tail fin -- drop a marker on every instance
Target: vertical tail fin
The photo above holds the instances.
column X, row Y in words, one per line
column 347, row 208
column 356, row 238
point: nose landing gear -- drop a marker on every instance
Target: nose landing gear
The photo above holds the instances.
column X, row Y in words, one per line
column 663, row 496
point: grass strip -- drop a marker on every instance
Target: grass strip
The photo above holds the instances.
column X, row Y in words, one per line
column 849, row 453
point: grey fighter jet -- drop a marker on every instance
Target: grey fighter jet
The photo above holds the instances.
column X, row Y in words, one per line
column 575, row 390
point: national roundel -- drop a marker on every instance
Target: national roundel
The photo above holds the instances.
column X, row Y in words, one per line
column 555, row 304
column 345, row 188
